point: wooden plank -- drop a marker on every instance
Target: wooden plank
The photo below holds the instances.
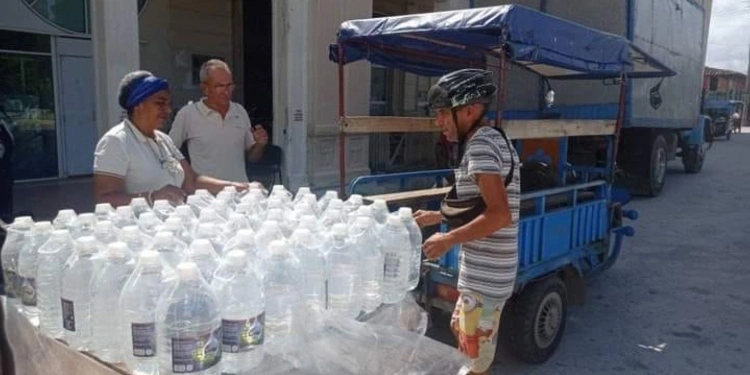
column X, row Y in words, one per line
column 516, row 129
column 406, row 198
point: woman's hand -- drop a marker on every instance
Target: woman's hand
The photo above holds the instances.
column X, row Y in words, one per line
column 427, row 218
column 173, row 194
column 437, row 245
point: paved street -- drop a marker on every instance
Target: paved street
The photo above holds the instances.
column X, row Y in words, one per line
column 681, row 283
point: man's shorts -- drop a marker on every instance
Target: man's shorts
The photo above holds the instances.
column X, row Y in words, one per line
column 475, row 323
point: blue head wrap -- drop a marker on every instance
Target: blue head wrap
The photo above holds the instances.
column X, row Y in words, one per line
column 142, row 88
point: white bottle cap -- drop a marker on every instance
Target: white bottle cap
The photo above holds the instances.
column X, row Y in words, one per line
column 173, row 223
column 379, row 203
column 355, row 198
column 236, row 258
column 224, row 195
column 336, row 203
column 161, row 203
column 339, row 229
column 87, row 217
column 229, row 189
column 332, row 194
column 208, row 213
column 184, row 210
column 104, row 225
column 302, row 233
column 193, row 199
column 246, row 234
column 103, row 208
column 202, row 192
column 271, row 224
column 60, row 234
column 163, row 238
column 117, row 250
column 275, row 201
column 187, row 271
column 404, row 212
column 308, row 221
column 275, row 214
column 277, row 247
column 236, row 216
column 149, row 257
column 148, row 216
column 62, row 214
column 394, row 220
column 365, row 210
column 124, row 209
column 362, row 221
column 201, row 246
column 131, row 231
column 244, row 207
column 139, row 201
column 278, row 188
column 86, row 245
column 206, row 228
column 43, row 226
column 302, row 191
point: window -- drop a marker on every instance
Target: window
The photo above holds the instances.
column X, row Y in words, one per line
column 27, row 42
column 713, row 84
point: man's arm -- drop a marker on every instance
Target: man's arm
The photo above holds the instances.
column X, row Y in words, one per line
column 258, row 138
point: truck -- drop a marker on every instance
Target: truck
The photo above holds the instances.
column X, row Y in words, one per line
column 722, row 113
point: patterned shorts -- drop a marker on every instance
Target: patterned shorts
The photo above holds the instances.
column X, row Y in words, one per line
column 475, row 323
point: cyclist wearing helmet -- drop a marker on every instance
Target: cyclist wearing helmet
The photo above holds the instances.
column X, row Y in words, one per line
column 489, row 245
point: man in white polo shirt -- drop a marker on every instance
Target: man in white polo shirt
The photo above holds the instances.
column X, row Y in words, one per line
column 218, row 132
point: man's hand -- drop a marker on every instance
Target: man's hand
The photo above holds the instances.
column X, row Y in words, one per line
column 260, row 135
column 437, row 245
column 427, row 218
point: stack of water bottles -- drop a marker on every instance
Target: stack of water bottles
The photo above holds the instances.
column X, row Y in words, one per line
column 214, row 285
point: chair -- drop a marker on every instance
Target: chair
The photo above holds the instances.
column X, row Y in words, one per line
column 268, row 165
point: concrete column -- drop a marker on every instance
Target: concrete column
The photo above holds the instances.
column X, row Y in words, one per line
column 114, row 29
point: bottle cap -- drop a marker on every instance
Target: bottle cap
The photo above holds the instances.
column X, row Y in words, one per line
column 117, row 250
column 188, row 271
column 339, row 229
column 131, row 231
column 405, row 212
column 394, row 220
column 246, row 234
column 162, row 238
column 149, row 257
column 86, row 245
column 236, row 258
column 201, row 246
column 138, row 201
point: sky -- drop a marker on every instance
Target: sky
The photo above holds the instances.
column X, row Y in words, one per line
column 729, row 35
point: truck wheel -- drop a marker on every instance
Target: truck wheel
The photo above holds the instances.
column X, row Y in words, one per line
column 536, row 320
column 693, row 158
column 657, row 167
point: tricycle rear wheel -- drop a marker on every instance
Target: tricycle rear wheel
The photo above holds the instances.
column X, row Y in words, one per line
column 535, row 321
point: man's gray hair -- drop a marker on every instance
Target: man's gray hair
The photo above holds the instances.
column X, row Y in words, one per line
column 211, row 64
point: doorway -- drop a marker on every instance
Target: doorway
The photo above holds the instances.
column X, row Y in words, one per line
column 79, row 115
column 258, row 56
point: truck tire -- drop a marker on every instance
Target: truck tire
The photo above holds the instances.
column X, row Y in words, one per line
column 657, row 171
column 692, row 159
column 535, row 320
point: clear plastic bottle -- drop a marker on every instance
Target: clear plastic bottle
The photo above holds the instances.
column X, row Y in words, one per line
column 202, row 253
column 269, row 231
column 136, row 240
column 221, row 207
column 196, row 203
column 76, row 294
column 415, row 239
column 106, row 287
column 52, row 256
column 310, row 222
column 333, row 216
column 137, row 320
column 353, row 203
column 139, row 206
column 397, row 257
column 210, row 215
column 252, row 212
column 103, row 211
column 205, row 196
column 105, row 232
column 189, row 218
column 343, row 263
column 281, row 285
column 334, row 204
column 227, row 198
column 86, row 225
column 362, row 211
column 124, row 217
column 244, row 240
column 281, row 192
column 149, row 223
column 170, row 248
column 302, row 191
column 27, row 265
column 367, row 243
column 214, row 234
column 163, row 209
column 188, row 323
column 65, row 219
column 308, row 247
column 276, row 201
column 236, row 223
column 326, row 199
column 177, row 227
column 380, row 211
column 15, row 240
column 242, row 315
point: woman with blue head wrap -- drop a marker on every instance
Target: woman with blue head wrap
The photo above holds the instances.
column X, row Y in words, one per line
column 136, row 159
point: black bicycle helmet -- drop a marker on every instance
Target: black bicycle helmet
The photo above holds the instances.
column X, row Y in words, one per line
column 462, row 87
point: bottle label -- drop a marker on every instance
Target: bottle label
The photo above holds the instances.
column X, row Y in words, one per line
column 11, row 283
column 28, row 291
column 391, row 265
column 242, row 335
column 144, row 339
column 68, row 315
column 196, row 353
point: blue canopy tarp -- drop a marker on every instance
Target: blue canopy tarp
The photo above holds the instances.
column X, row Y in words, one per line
column 433, row 44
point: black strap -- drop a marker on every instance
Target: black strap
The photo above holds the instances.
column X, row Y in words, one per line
column 509, row 176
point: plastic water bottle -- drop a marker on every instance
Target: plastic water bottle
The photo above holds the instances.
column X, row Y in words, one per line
column 276, row 202
column 169, row 248
column 252, row 211
column 213, row 233
column 334, row 204
column 353, row 203
column 103, row 211
column 236, row 223
column 269, row 231
column 326, row 199
column 415, row 238
column 343, row 274
column 137, row 320
column 310, row 222
column 308, row 248
column 301, row 192
column 148, row 223
column 49, row 273
column 242, row 315
column 124, row 217
column 105, row 232
column 397, row 257
column 367, row 243
column 362, row 211
column 189, row 218
column 188, row 323
column 281, row 192
column 202, row 253
column 333, row 216
column 233, row 194
column 380, row 211
column 106, row 287
column 308, row 204
column 163, row 209
column 27, row 265
column 179, row 230
column 227, row 198
column 139, row 206
column 86, row 225
column 222, row 209
column 15, row 240
column 76, row 294
column 205, row 196
column 281, row 284
column 196, row 203
column 210, row 215
column 136, row 240
column 244, row 240
column 65, row 219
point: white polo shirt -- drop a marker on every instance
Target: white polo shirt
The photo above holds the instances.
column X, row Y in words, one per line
column 145, row 164
column 216, row 145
